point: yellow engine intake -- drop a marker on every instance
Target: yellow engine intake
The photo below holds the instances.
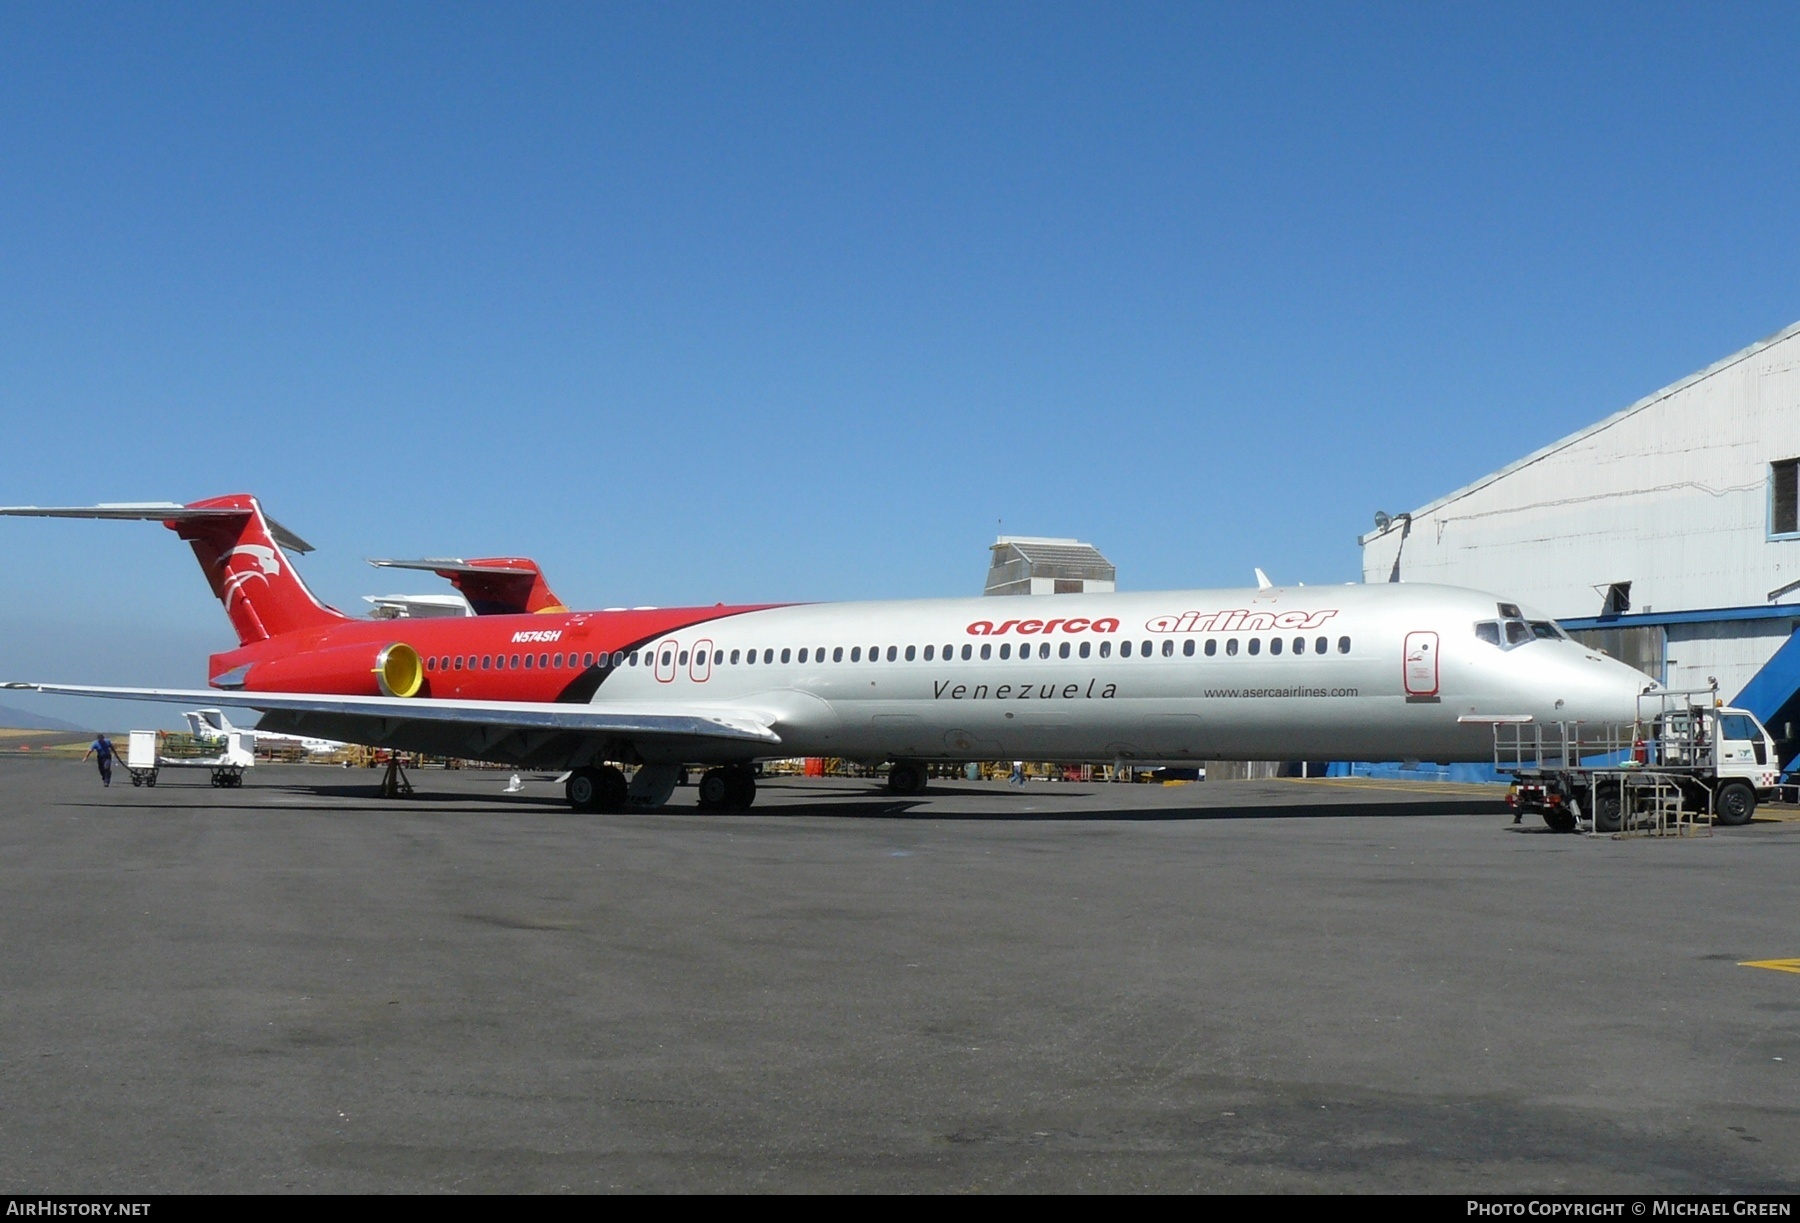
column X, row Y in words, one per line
column 399, row 671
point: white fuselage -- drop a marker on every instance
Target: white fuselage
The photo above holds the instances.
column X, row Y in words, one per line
column 1312, row 672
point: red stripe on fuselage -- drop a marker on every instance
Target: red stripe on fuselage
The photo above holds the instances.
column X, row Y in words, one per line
column 478, row 637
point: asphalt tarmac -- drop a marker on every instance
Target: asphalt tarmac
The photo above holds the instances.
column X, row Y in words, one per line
column 1238, row 986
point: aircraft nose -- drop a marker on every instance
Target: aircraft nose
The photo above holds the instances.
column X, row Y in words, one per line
column 1611, row 691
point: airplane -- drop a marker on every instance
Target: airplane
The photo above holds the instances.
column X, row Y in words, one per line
column 212, row 726
column 1353, row 672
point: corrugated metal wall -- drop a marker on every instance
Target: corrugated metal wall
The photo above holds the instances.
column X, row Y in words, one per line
column 1672, row 495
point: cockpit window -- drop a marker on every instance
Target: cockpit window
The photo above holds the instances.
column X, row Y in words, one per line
column 1510, row 611
column 1546, row 630
column 1517, row 632
column 1488, row 631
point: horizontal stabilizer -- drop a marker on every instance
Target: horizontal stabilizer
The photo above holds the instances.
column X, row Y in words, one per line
column 156, row 511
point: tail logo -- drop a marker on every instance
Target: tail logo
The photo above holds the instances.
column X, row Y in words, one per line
column 265, row 563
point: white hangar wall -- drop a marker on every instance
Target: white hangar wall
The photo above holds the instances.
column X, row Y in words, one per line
column 1676, row 494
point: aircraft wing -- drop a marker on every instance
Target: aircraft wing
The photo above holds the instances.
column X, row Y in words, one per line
column 527, row 733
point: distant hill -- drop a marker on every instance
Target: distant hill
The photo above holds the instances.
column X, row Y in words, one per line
column 19, row 719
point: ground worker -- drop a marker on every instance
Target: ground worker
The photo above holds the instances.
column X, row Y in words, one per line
column 104, row 754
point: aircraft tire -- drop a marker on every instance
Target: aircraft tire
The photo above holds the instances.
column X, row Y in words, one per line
column 1736, row 804
column 1558, row 820
column 1609, row 809
column 715, row 789
column 906, row 777
column 740, row 782
column 583, row 789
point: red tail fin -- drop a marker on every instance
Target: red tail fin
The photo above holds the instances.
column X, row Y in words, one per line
column 248, row 571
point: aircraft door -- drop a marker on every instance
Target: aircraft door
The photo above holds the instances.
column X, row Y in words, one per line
column 665, row 660
column 700, row 665
column 1421, row 664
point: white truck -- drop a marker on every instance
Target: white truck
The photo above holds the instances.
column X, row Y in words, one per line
column 1687, row 761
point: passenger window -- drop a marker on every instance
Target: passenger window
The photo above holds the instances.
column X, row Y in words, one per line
column 855, row 653
column 1005, row 649
column 1144, row 649
column 668, row 657
column 768, row 656
column 1044, row 649
column 1319, row 645
column 987, row 651
column 950, row 653
column 802, row 654
column 1062, row 651
column 965, row 652
column 682, row 661
column 1299, row 645
column 1256, row 645
column 543, row 661
column 514, row 664
column 735, row 655
column 1343, row 645
column 1274, row 645
column 1169, row 648
column 1231, row 645
column 431, row 663
column 1212, row 647
column 750, row 658
column 634, row 658
column 893, row 653
column 1106, row 649
column 1085, row 647
column 1187, row 648
column 1488, row 631
column 1124, row 649
column 528, row 662
column 619, row 658
column 556, row 661
column 459, row 662
column 787, row 656
column 928, row 652
column 837, row 655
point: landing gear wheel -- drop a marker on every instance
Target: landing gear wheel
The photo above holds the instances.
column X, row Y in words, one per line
column 906, row 777
column 715, row 789
column 1558, row 820
column 583, row 789
column 596, row 789
column 1609, row 809
column 1735, row 805
column 740, row 786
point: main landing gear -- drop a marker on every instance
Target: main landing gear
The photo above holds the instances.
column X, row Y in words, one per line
column 731, row 787
column 596, row 789
column 906, row 777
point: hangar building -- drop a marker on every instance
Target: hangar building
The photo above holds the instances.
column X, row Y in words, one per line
column 1667, row 534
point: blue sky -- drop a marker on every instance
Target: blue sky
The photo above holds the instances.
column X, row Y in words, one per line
column 758, row 302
